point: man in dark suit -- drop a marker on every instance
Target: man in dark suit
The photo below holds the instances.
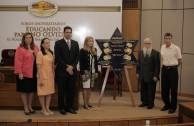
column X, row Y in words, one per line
column 66, row 58
column 148, row 70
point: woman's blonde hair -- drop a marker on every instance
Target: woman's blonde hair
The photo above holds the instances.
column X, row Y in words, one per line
column 92, row 50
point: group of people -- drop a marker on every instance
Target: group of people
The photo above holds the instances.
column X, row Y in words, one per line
column 148, row 72
column 36, row 71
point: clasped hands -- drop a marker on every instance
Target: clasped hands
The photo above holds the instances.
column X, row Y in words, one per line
column 84, row 78
column 69, row 69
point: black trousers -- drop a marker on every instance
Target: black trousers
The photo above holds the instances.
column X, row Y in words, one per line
column 148, row 90
column 169, row 85
column 66, row 92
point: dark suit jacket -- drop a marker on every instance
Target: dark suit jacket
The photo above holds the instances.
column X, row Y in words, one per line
column 85, row 61
column 64, row 56
column 150, row 68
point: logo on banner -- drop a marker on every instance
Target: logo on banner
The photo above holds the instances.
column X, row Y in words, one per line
column 116, row 52
column 43, row 8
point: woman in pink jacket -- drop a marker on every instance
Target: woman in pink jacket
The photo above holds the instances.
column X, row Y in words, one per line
column 26, row 71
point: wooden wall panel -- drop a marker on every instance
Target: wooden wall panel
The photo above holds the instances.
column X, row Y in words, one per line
column 131, row 20
column 53, row 124
column 131, row 24
column 167, row 121
column 83, row 124
column 141, row 122
column 9, row 97
column 133, row 80
column 187, row 119
column 22, row 124
column 114, row 123
column 131, row 4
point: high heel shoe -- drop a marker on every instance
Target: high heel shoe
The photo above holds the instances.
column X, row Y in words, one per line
column 86, row 107
column 33, row 112
column 44, row 113
column 27, row 113
column 51, row 113
column 91, row 106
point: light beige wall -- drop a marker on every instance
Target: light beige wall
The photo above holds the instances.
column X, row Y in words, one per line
column 177, row 17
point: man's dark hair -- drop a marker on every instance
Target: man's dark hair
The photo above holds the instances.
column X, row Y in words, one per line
column 168, row 34
column 67, row 27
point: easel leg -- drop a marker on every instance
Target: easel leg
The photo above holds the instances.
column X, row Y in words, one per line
column 129, row 86
column 103, row 86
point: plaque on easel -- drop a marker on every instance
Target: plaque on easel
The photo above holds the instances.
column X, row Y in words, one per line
column 116, row 54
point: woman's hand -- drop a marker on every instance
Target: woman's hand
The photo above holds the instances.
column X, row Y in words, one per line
column 21, row 77
column 84, row 77
column 41, row 84
column 96, row 75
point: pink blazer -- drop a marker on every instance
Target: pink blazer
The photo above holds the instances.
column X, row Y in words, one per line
column 24, row 61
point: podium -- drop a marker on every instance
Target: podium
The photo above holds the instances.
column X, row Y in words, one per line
column 128, row 82
column 10, row 98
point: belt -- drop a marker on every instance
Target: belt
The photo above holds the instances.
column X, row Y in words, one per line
column 170, row 67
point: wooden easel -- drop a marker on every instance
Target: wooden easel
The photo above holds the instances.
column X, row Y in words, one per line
column 128, row 82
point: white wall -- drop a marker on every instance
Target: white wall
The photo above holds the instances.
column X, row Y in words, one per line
column 99, row 23
column 176, row 17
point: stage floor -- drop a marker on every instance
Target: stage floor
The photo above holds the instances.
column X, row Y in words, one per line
column 119, row 109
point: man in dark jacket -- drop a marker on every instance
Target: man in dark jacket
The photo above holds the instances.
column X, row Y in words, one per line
column 66, row 58
column 148, row 70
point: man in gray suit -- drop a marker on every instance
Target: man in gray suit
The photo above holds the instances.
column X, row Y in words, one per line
column 148, row 70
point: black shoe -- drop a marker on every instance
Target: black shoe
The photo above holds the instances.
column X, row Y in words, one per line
column 33, row 112
column 149, row 107
column 71, row 111
column 86, row 107
column 91, row 106
column 27, row 113
column 164, row 108
column 63, row 112
column 143, row 105
column 171, row 111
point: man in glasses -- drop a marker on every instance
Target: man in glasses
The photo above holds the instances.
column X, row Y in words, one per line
column 148, row 70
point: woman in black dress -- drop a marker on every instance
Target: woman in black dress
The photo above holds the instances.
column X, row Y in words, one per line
column 88, row 69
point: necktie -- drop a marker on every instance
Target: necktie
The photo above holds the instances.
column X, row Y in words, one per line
column 68, row 43
column 146, row 56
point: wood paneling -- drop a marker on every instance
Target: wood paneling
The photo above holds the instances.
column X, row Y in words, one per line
column 131, row 24
column 133, row 80
column 22, row 124
column 186, row 112
column 173, row 120
column 131, row 31
column 9, row 97
column 141, row 122
column 53, row 124
column 84, row 124
column 131, row 4
column 114, row 123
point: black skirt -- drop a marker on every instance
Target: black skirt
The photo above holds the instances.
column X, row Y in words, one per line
column 27, row 85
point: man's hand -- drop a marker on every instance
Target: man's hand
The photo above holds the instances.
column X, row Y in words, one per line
column 155, row 79
column 69, row 69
